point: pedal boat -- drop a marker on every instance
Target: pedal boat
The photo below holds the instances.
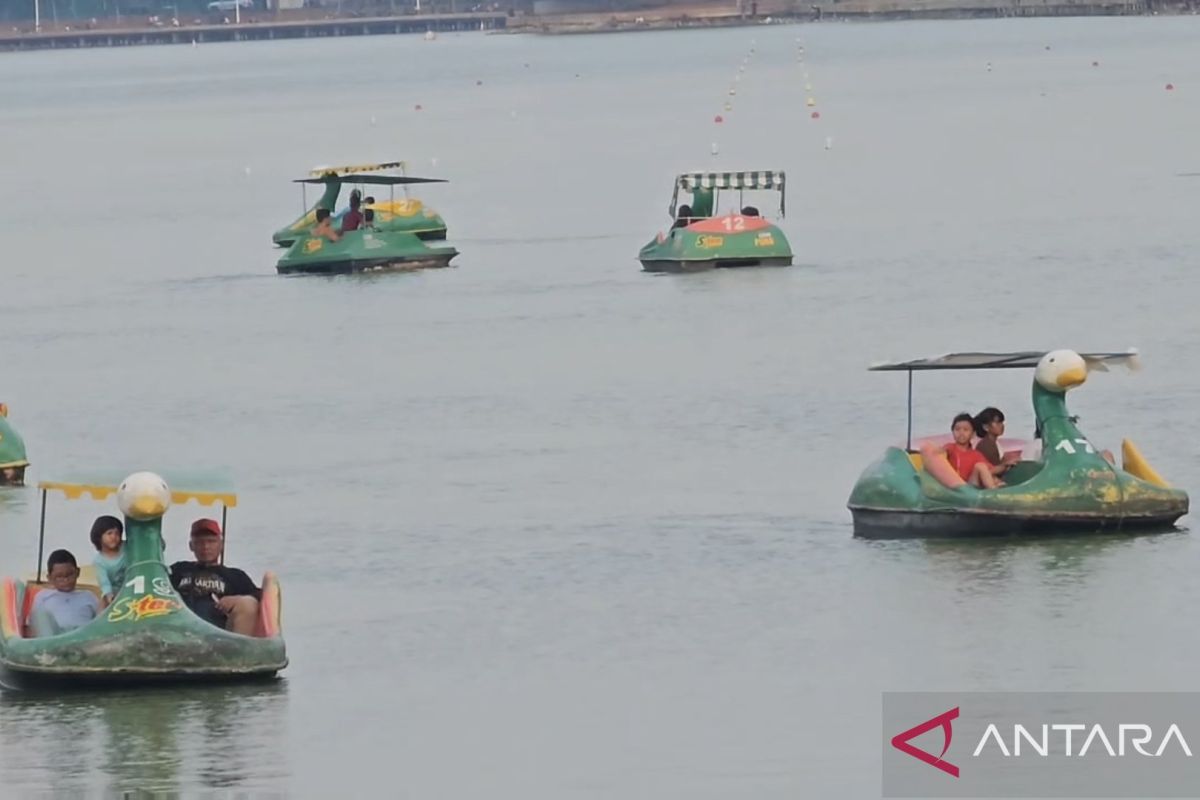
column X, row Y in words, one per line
column 367, row 249
column 406, row 214
column 1071, row 487
column 147, row 634
column 13, row 460
column 706, row 239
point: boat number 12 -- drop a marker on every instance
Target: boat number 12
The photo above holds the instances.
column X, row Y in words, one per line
column 1066, row 446
column 734, row 223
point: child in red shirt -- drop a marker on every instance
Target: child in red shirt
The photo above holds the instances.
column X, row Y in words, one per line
column 969, row 463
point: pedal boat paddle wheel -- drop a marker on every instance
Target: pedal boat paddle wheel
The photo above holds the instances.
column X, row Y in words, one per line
column 375, row 247
column 147, row 634
column 702, row 238
column 407, row 214
column 13, row 460
column 1069, row 487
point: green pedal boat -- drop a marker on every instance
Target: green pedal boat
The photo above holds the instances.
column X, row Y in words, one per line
column 701, row 238
column 146, row 634
column 372, row 247
column 12, row 453
column 406, row 214
column 1069, row 486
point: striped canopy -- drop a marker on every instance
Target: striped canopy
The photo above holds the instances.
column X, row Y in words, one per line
column 761, row 179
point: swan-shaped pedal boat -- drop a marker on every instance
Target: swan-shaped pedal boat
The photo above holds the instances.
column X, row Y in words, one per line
column 404, row 235
column 146, row 634
column 1072, row 487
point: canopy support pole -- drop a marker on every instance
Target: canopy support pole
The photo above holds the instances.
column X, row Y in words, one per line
column 41, row 538
column 908, row 444
column 224, row 530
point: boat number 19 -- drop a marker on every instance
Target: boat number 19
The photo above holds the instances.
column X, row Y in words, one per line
column 1066, row 446
column 734, row 223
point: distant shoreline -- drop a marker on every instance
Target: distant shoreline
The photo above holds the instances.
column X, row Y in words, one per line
column 87, row 34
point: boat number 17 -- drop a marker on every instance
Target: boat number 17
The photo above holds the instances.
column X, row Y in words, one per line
column 734, row 223
column 1066, row 446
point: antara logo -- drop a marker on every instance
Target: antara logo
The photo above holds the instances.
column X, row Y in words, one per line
column 1044, row 745
column 944, row 721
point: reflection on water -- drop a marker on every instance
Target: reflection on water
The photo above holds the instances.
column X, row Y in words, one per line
column 150, row 740
column 14, row 499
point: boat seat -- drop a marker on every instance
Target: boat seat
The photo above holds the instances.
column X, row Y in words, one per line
column 32, row 589
column 917, row 461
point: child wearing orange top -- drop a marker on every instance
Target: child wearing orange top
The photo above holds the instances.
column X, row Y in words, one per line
column 969, row 463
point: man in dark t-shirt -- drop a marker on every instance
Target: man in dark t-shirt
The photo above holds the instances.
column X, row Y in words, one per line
column 224, row 596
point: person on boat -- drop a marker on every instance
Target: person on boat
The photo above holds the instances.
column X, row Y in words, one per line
column 107, row 535
column 224, row 596
column 324, row 226
column 369, row 213
column 969, row 463
column 61, row 607
column 750, row 211
column 352, row 220
column 685, row 217
column 989, row 427
column 12, row 476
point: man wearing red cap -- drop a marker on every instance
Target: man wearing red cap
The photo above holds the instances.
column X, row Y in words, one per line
column 224, row 596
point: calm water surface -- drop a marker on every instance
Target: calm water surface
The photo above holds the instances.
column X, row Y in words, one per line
column 550, row 527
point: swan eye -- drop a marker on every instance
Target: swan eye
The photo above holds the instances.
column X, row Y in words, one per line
column 124, row 486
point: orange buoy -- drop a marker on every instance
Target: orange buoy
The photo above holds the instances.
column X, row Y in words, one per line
column 417, row 107
column 718, row 119
column 479, row 83
column 816, row 115
column 1170, row 87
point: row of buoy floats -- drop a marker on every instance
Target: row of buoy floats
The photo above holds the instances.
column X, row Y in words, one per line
column 727, row 103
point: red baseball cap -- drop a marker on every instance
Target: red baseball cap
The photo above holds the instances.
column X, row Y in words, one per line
column 208, row 527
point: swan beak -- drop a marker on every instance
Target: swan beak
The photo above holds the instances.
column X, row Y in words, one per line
column 1071, row 378
column 147, row 507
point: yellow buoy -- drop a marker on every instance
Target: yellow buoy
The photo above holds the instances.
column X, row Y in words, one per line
column 810, row 102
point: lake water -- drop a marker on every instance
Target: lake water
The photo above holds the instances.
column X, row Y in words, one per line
column 551, row 527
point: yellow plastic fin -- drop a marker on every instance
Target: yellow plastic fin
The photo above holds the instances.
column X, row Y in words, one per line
column 1137, row 466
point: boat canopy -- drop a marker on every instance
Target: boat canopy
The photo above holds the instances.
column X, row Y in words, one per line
column 204, row 486
column 357, row 168
column 761, row 179
column 1025, row 359
column 381, row 180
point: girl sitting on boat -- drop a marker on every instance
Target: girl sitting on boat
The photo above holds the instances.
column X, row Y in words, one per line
column 970, row 464
column 107, row 538
column 989, row 427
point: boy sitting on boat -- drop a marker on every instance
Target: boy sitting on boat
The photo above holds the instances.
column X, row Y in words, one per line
column 61, row 607
column 224, row 596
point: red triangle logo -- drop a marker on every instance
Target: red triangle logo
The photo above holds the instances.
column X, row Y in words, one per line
column 943, row 721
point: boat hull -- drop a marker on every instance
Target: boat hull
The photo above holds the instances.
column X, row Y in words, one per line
column 714, row 263
column 145, row 638
column 893, row 499
column 725, row 242
column 896, row 524
column 363, row 251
